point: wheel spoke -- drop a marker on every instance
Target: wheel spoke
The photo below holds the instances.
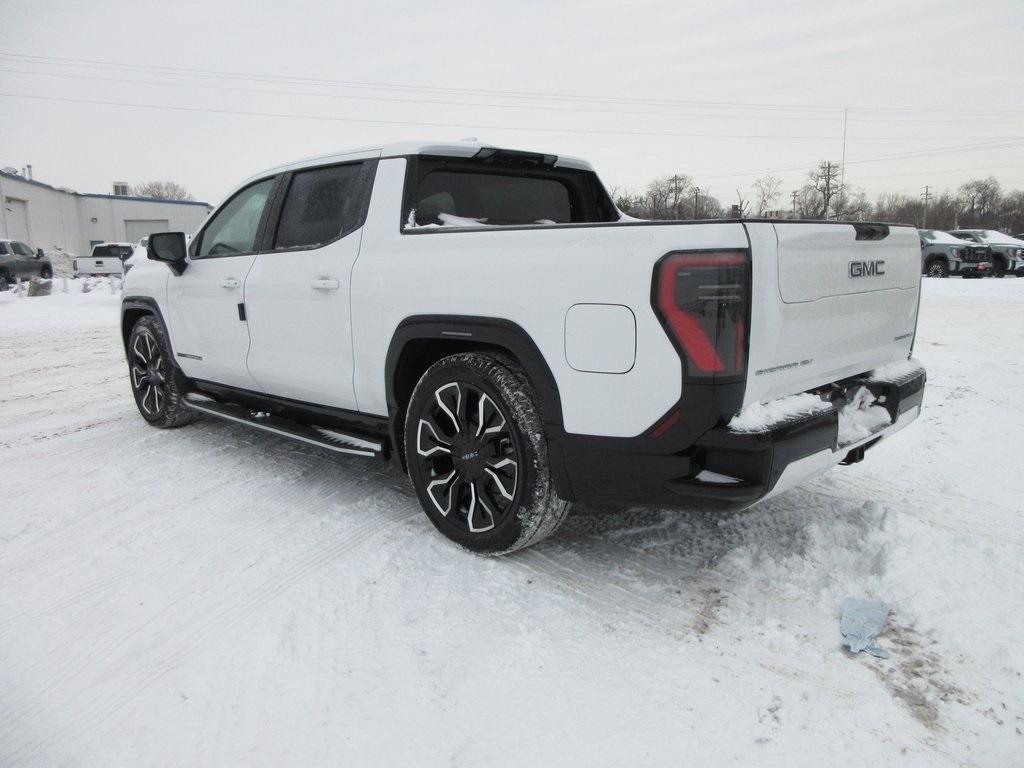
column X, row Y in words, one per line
column 478, row 508
column 137, row 351
column 458, row 403
column 511, row 471
column 482, row 418
column 444, row 486
column 145, row 397
column 138, row 377
column 437, row 445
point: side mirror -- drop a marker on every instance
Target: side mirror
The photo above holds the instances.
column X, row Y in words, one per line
column 39, row 253
column 170, row 248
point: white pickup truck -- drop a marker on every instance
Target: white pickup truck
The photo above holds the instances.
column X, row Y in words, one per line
column 488, row 319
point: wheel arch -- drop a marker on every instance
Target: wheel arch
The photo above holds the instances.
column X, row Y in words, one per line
column 134, row 308
column 420, row 341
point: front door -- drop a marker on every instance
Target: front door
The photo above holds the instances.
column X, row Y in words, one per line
column 297, row 293
column 208, row 329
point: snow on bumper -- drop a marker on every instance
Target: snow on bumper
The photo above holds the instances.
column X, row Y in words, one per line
column 771, row 447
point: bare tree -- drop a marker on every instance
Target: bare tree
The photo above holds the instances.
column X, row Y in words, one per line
column 767, row 191
column 824, row 180
column 981, row 199
column 162, row 190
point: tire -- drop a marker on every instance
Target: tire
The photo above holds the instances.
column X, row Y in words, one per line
column 46, row 273
column 156, row 384
column 4, row 285
column 937, row 268
column 478, row 456
column 998, row 268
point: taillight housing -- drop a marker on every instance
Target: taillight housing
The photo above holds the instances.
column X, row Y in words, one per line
column 703, row 300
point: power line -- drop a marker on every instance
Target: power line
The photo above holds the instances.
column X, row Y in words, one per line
column 599, row 131
column 493, row 92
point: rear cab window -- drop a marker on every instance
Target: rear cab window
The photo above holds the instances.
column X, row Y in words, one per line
column 112, row 252
column 504, row 189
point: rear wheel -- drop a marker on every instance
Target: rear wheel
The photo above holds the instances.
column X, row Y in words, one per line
column 156, row 384
column 478, row 456
column 4, row 285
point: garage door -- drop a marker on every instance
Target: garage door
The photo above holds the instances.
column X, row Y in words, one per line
column 136, row 229
column 16, row 212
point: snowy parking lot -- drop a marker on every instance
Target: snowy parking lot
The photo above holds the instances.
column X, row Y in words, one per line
column 212, row 596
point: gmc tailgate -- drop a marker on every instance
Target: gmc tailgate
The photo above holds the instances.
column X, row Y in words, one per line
column 830, row 301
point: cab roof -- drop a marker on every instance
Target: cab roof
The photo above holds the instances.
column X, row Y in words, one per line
column 464, row 149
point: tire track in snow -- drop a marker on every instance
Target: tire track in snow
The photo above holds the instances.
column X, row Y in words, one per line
column 123, row 686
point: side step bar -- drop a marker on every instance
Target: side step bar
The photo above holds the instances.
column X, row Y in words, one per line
column 331, row 439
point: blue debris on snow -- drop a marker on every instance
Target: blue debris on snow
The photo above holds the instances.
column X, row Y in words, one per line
column 861, row 623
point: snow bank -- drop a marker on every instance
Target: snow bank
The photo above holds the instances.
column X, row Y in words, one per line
column 758, row 417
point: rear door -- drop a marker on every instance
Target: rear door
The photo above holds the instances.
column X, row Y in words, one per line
column 830, row 300
column 207, row 322
column 297, row 293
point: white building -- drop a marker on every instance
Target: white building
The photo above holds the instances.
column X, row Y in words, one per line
column 59, row 219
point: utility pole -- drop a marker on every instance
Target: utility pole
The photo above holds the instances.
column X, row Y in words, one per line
column 828, row 186
column 794, row 195
column 842, row 168
column 696, row 198
column 926, row 196
column 676, row 191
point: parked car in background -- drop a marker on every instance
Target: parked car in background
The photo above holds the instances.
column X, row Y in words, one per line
column 18, row 260
column 943, row 255
column 106, row 259
column 1006, row 253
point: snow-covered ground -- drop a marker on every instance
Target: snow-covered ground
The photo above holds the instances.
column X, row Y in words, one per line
column 210, row 596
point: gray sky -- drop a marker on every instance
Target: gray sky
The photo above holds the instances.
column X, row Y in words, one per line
column 723, row 91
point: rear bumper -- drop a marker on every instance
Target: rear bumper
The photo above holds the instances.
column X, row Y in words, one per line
column 728, row 470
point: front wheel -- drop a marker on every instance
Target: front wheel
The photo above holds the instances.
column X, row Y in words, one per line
column 938, row 268
column 478, row 456
column 46, row 273
column 155, row 382
column 999, row 268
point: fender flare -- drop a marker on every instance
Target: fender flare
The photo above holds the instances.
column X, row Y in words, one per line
column 490, row 332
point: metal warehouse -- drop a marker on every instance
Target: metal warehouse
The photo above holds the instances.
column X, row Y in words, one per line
column 59, row 219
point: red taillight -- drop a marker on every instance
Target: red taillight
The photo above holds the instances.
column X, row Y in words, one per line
column 703, row 299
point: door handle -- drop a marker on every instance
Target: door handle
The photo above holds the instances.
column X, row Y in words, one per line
column 231, row 282
column 325, row 284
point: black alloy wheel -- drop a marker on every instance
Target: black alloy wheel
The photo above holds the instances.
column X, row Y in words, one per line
column 477, row 453
column 156, row 383
column 149, row 383
column 466, row 448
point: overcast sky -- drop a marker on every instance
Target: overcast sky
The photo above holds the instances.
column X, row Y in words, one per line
column 723, row 91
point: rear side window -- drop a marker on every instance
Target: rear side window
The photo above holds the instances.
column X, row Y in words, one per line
column 321, row 205
column 466, row 193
